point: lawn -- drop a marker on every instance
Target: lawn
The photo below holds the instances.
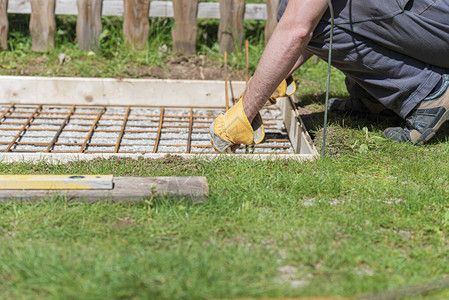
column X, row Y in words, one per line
column 366, row 221
column 372, row 216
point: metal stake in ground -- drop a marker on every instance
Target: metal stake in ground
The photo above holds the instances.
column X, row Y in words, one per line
column 226, row 80
column 246, row 62
column 246, row 81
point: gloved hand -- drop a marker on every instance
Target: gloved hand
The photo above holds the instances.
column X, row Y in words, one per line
column 285, row 89
column 230, row 130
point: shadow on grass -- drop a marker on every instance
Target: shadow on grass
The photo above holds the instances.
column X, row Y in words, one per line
column 314, row 119
column 346, row 131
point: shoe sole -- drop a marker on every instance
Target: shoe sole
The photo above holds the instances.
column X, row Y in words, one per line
column 430, row 132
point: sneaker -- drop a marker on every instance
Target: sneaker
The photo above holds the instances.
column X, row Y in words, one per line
column 364, row 105
column 423, row 122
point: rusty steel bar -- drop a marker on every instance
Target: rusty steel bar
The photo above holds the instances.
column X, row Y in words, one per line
column 125, row 152
column 189, row 137
column 122, row 131
column 24, row 127
column 242, row 147
column 246, row 62
column 58, row 133
column 226, row 80
column 161, row 120
column 6, row 112
column 136, row 115
column 115, row 131
column 91, row 131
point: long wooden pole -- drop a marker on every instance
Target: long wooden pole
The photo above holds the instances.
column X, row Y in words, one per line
column 136, row 25
column 4, row 25
column 42, row 25
column 230, row 30
column 185, row 32
column 270, row 25
column 88, row 26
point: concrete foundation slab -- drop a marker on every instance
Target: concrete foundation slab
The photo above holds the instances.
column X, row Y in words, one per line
column 106, row 117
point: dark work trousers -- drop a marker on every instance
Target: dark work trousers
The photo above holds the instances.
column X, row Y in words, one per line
column 393, row 50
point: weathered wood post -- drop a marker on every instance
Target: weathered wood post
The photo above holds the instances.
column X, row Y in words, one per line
column 136, row 25
column 42, row 25
column 88, row 25
column 185, row 32
column 4, row 25
column 230, row 30
column 272, row 11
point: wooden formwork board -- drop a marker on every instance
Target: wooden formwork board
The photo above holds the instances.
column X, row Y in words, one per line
column 299, row 137
column 142, row 92
column 111, row 91
column 61, row 158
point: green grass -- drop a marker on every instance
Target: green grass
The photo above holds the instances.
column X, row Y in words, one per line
column 372, row 216
column 367, row 221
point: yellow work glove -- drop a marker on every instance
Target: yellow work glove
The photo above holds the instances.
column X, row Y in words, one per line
column 230, row 130
column 285, row 89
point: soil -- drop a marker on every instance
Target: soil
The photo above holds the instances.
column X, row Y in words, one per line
column 194, row 68
column 177, row 67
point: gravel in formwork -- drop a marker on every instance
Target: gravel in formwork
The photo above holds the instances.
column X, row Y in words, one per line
column 140, row 133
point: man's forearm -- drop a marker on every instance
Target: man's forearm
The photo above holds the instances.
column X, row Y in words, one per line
column 284, row 52
column 305, row 56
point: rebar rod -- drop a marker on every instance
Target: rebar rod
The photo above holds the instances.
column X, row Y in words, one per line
column 226, row 80
column 246, row 62
column 122, row 131
column 58, row 133
column 161, row 121
column 23, row 128
column 92, row 129
column 189, row 137
column 6, row 112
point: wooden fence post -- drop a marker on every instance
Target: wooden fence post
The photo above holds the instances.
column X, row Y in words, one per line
column 185, row 31
column 272, row 21
column 230, row 30
column 42, row 25
column 88, row 25
column 136, row 25
column 4, row 25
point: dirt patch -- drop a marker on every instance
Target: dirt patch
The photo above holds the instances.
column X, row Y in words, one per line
column 126, row 222
column 176, row 67
column 194, row 68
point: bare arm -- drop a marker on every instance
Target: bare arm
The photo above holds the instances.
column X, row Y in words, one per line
column 301, row 60
column 284, row 52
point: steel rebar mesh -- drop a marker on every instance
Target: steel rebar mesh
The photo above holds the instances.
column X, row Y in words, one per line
column 124, row 129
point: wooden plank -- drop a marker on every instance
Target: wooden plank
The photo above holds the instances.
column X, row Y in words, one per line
column 111, row 91
column 185, row 31
column 89, row 26
column 230, row 30
column 126, row 189
column 56, row 182
column 272, row 9
column 297, row 132
column 136, row 25
column 42, row 25
column 164, row 9
column 4, row 25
